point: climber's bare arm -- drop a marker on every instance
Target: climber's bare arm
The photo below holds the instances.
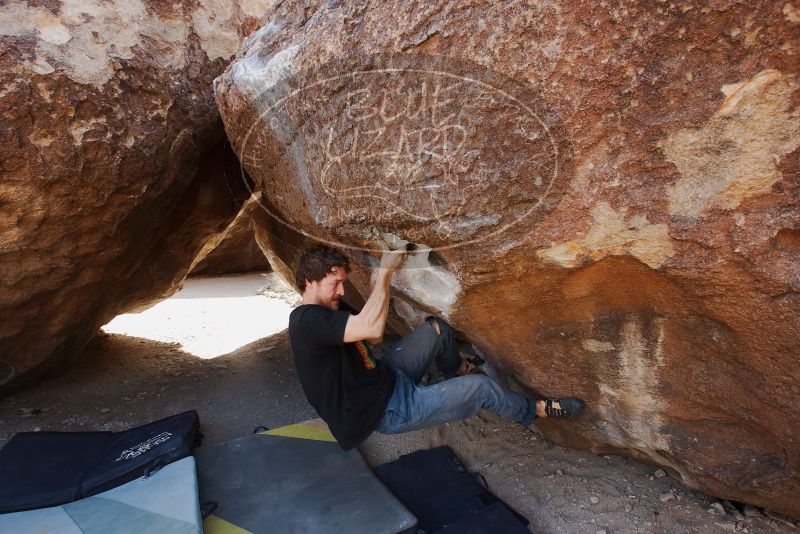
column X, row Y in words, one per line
column 370, row 323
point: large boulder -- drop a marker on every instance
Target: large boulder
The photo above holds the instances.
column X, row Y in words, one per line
column 107, row 113
column 235, row 250
column 606, row 200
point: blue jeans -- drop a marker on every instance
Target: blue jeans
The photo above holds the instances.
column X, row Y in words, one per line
column 414, row 407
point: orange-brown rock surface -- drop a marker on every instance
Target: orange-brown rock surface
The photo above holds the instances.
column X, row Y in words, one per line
column 106, row 113
column 610, row 194
column 234, row 250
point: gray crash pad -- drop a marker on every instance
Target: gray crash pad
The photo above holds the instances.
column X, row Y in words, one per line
column 295, row 479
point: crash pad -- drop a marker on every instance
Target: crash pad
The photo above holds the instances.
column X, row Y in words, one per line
column 41, row 469
column 165, row 502
column 294, row 479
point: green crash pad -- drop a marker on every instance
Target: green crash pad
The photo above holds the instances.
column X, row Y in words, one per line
column 295, row 479
column 166, row 502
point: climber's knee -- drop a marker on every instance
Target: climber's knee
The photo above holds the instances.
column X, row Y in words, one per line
column 442, row 327
column 435, row 323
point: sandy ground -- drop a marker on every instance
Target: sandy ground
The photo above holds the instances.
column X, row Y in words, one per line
column 124, row 380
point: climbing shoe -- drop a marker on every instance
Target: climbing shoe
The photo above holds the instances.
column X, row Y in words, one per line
column 473, row 365
column 473, row 362
column 565, row 408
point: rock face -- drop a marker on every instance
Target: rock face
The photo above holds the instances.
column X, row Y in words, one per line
column 609, row 198
column 233, row 251
column 107, row 111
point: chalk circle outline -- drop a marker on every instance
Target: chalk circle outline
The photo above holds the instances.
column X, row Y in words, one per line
column 556, row 153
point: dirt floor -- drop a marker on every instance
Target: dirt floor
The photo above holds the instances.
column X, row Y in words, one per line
column 121, row 381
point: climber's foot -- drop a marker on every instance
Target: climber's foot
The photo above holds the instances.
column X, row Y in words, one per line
column 470, row 365
column 564, row 408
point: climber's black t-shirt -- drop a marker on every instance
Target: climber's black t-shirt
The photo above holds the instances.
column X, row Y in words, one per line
column 347, row 387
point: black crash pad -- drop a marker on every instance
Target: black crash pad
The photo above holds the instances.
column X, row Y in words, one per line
column 439, row 490
column 39, row 469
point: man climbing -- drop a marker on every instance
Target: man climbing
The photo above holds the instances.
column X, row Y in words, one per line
column 355, row 393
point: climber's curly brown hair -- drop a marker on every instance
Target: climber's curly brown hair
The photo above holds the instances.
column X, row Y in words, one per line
column 317, row 262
